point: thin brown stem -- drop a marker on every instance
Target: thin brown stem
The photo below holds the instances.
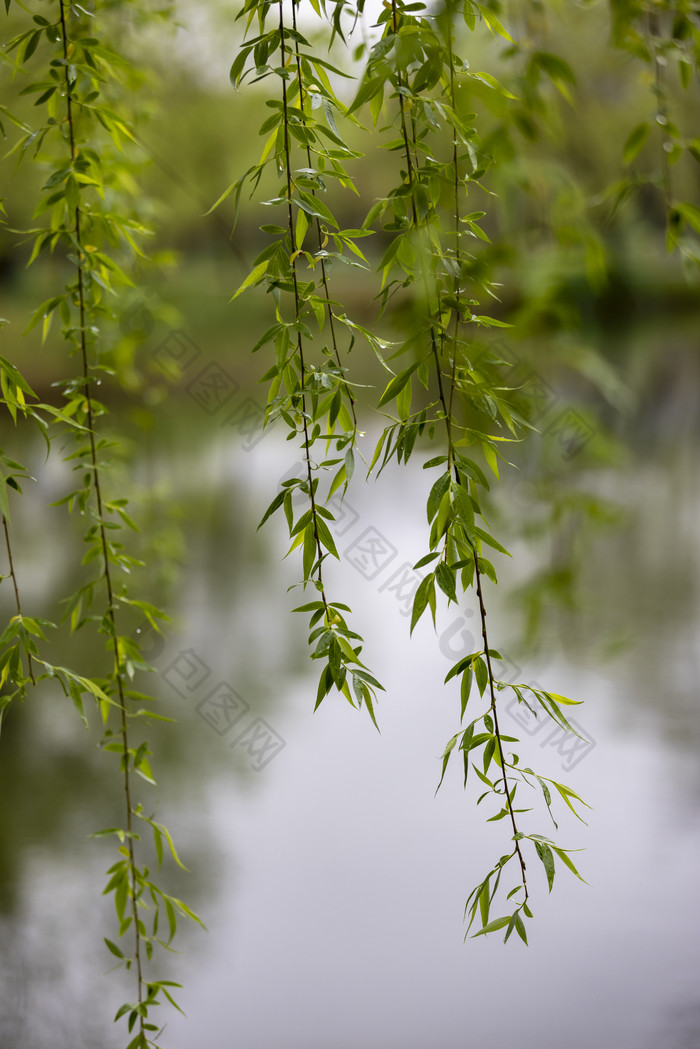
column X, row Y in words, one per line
column 18, row 603
column 497, row 732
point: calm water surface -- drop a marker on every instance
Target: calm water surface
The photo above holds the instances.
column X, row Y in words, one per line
column 331, row 879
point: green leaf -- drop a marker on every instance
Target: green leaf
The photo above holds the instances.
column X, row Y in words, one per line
column 552, row 709
column 494, row 926
column 491, row 81
column 545, row 854
column 484, row 903
column 481, row 673
column 491, row 458
column 274, row 505
column 32, row 45
column 426, row 560
column 436, row 494
column 309, row 555
column 635, row 142
column 17, row 379
column 171, row 916
column 547, row 799
column 325, row 536
column 460, row 665
column 4, row 500
column 446, row 757
column 397, row 384
column 187, row 912
column 566, row 793
column 490, row 322
column 314, row 206
column 491, row 751
column 691, row 213
column 520, row 927
column 445, row 579
column 424, row 594
column 116, row 951
column 325, row 684
column 76, row 696
column 493, row 23
column 490, row 541
column 367, row 91
column 562, row 699
column 349, row 463
column 464, row 508
column 254, row 277
column 562, row 854
column 238, row 64
column 465, row 689
column 403, row 402
column 43, row 312
column 162, row 829
column 554, row 66
column 487, row 569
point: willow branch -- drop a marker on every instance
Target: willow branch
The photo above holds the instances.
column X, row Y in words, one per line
column 297, row 316
column 447, row 413
column 319, row 232
column 111, row 618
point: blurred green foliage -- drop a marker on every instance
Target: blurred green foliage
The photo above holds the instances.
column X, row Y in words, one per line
column 594, row 141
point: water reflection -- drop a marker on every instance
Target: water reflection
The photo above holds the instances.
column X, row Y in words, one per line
column 330, row 878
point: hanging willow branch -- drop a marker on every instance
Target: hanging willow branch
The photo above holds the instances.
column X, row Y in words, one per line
column 314, row 400
column 82, row 141
column 416, row 66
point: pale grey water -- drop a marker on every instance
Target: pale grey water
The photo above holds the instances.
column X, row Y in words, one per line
column 332, row 880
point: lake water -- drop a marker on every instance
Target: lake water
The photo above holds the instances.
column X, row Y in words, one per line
column 331, row 878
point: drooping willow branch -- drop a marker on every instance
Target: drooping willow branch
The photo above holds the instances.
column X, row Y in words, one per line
column 662, row 115
column 284, row 58
column 87, row 380
column 456, row 291
column 321, row 237
column 436, row 338
column 82, row 177
column 77, row 222
column 413, row 60
column 22, row 634
column 311, row 399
